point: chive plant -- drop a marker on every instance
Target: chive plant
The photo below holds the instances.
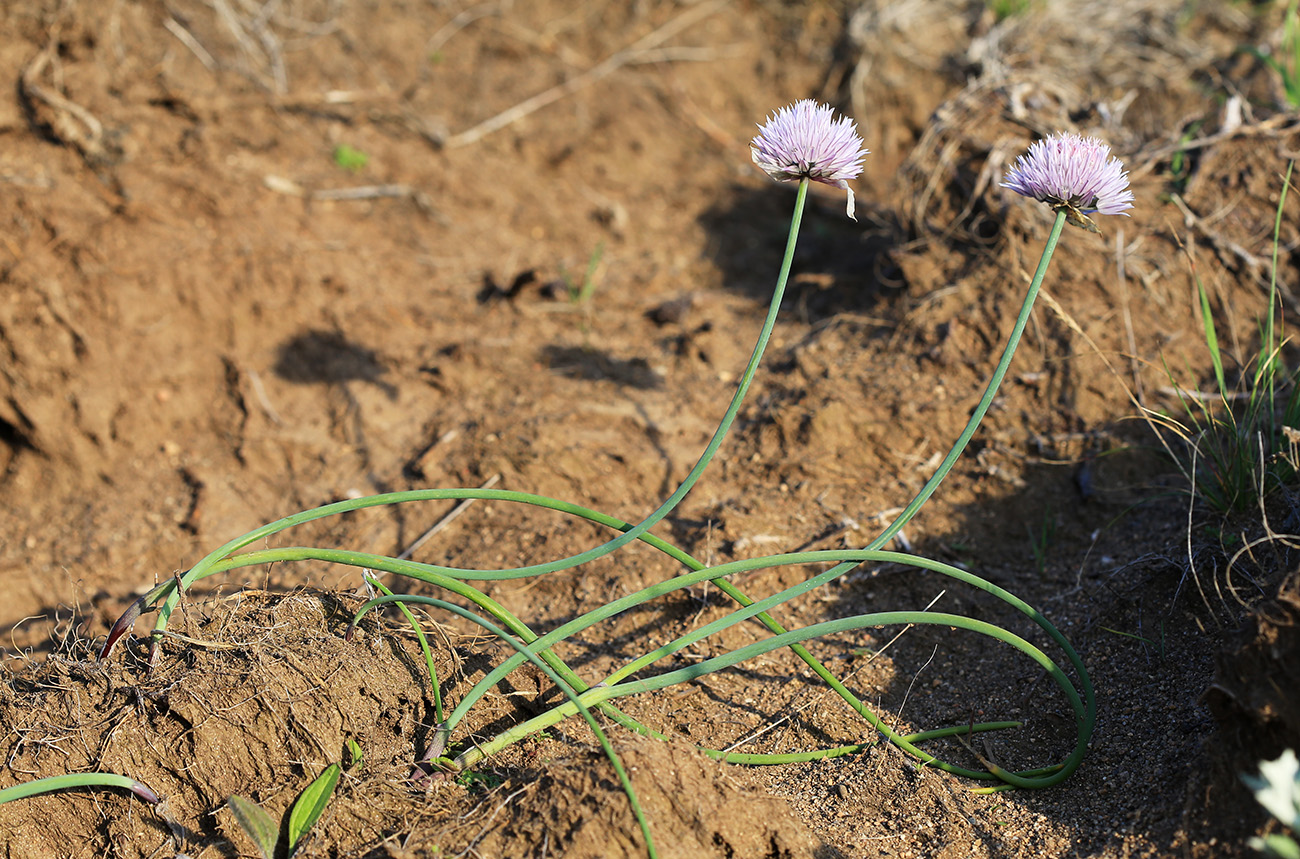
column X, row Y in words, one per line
column 802, row 143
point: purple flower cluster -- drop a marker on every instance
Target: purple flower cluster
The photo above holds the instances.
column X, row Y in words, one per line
column 1075, row 174
column 806, row 141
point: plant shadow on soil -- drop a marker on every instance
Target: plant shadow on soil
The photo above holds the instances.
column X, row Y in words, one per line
column 839, row 267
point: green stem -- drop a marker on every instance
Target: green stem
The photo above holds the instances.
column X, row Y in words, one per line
column 848, row 560
column 601, row 694
column 1085, row 709
column 421, row 572
column 407, row 569
column 578, row 705
column 989, row 392
column 424, row 647
column 63, row 782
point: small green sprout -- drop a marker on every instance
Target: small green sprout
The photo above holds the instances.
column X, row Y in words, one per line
column 1003, row 9
column 581, row 293
column 1040, row 540
column 1180, row 162
column 477, row 782
column 354, row 756
column 350, row 159
column 1159, row 645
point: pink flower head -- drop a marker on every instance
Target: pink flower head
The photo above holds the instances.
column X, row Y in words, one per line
column 806, row 141
column 1075, row 174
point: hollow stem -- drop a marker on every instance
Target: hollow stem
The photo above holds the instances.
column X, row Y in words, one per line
column 601, row 694
column 578, row 705
column 990, row 392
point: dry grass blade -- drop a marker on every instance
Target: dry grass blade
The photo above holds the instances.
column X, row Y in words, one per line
column 187, row 39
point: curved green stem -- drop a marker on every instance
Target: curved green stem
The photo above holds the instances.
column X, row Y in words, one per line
column 848, row 560
column 572, row 691
column 407, row 569
column 1084, row 705
column 415, row 570
column 424, row 647
column 601, row 694
column 64, row 782
column 576, row 702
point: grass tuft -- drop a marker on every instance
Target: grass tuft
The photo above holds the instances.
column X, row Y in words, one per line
column 1237, row 444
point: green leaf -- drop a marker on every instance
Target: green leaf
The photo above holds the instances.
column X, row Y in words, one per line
column 355, row 758
column 257, row 823
column 311, row 804
column 350, row 158
column 1211, row 338
column 62, row 782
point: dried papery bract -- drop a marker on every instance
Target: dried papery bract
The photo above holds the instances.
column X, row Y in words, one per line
column 806, row 140
column 1072, row 174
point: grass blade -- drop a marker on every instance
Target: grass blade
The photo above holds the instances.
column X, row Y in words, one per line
column 1211, row 338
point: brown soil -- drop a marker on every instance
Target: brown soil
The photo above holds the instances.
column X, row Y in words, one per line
column 201, row 333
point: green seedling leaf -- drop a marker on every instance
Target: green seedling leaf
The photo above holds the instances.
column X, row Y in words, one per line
column 1003, row 9
column 589, row 278
column 311, row 804
column 1143, row 639
column 355, row 757
column 351, row 159
column 254, row 820
column 1178, row 162
column 581, row 293
column 476, row 782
